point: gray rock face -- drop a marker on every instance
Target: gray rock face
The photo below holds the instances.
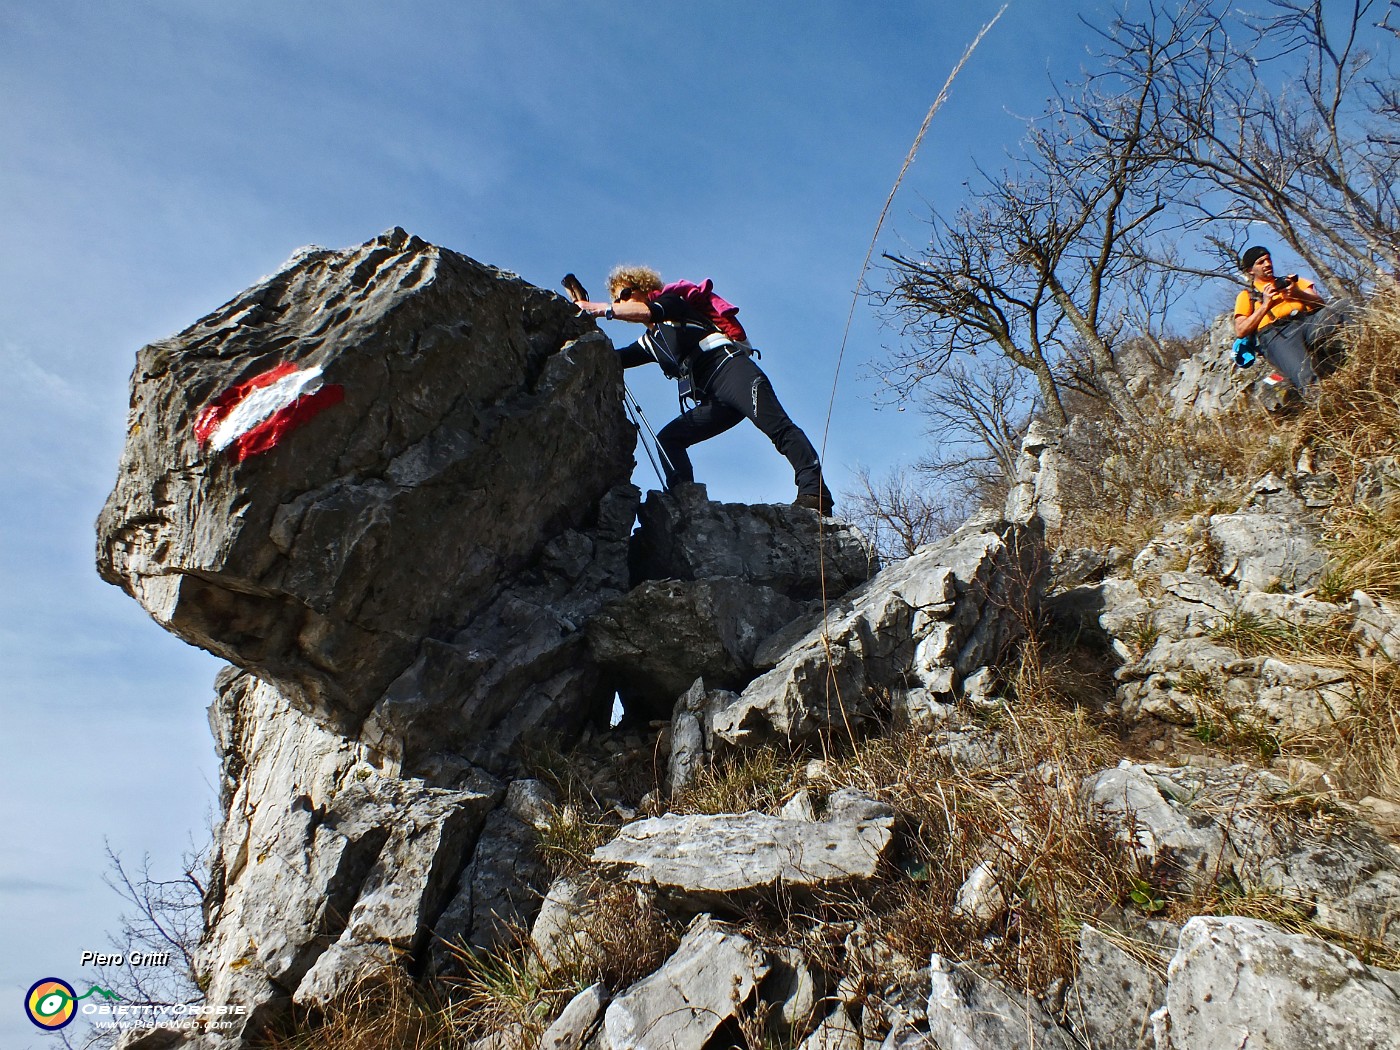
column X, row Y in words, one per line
column 520, row 673
column 725, row 858
column 927, row 622
column 1267, row 551
column 1115, row 994
column 684, row 536
column 1208, row 383
column 500, row 890
column 711, row 976
column 1347, row 880
column 1241, row 982
column 1190, row 827
column 1161, row 830
column 662, row 635
column 1182, row 623
column 323, row 862
column 469, row 427
column 970, row 1011
column 579, row 1020
column 1035, row 490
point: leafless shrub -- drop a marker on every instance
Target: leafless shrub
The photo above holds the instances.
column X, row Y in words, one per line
column 901, row 512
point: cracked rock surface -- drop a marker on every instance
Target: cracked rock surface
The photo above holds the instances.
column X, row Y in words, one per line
column 479, row 429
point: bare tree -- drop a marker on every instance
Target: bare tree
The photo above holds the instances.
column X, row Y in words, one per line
column 1046, row 255
column 163, row 925
column 976, row 419
column 166, row 918
column 1284, row 118
column 1197, row 121
column 903, row 511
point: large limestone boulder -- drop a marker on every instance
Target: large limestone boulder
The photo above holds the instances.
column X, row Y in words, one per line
column 732, row 858
column 714, row 581
column 1242, row 982
column 1212, row 625
column 682, row 535
column 1268, row 551
column 927, row 623
column 709, row 980
column 663, row 634
column 324, row 866
column 364, row 475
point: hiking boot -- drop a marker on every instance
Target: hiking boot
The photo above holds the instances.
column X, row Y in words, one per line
column 822, row 504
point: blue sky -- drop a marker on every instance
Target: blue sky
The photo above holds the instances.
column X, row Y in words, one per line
column 158, row 156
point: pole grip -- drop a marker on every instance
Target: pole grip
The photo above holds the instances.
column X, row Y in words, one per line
column 575, row 288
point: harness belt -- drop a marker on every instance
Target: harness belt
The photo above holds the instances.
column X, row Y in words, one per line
column 725, row 349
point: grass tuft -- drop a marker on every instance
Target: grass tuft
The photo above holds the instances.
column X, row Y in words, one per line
column 385, row 1011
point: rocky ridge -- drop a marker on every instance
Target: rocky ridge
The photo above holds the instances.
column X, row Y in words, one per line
column 415, row 599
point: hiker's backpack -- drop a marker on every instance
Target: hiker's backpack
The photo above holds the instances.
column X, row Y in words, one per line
column 720, row 313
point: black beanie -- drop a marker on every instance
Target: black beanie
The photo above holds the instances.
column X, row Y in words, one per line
column 1251, row 256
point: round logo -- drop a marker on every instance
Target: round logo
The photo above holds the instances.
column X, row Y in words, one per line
column 51, row 1003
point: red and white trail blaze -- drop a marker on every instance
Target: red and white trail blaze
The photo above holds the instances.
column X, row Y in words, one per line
column 255, row 415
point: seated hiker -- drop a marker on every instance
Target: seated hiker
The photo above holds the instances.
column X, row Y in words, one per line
column 690, row 346
column 1295, row 325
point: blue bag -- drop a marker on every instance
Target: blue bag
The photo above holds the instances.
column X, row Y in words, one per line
column 1246, row 351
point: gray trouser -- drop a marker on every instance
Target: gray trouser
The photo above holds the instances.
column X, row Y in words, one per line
column 1299, row 346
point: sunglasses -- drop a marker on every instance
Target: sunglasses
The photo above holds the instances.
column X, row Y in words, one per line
column 624, row 294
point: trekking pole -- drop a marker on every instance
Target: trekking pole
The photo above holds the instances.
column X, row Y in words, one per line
column 634, row 411
column 578, row 294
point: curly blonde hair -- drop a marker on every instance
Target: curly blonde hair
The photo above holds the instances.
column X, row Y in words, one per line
column 642, row 278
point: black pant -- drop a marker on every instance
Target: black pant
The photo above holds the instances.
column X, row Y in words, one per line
column 1298, row 346
column 732, row 390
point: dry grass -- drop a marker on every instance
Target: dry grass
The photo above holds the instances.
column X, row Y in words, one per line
column 506, row 991
column 386, row 1011
column 1053, row 866
column 763, row 779
column 511, row 992
column 1361, row 748
column 1365, row 749
column 1357, row 420
column 570, row 835
column 1133, row 477
column 1364, row 546
column 623, row 936
column 1360, row 403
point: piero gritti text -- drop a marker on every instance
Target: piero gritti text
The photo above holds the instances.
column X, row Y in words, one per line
column 125, row 959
